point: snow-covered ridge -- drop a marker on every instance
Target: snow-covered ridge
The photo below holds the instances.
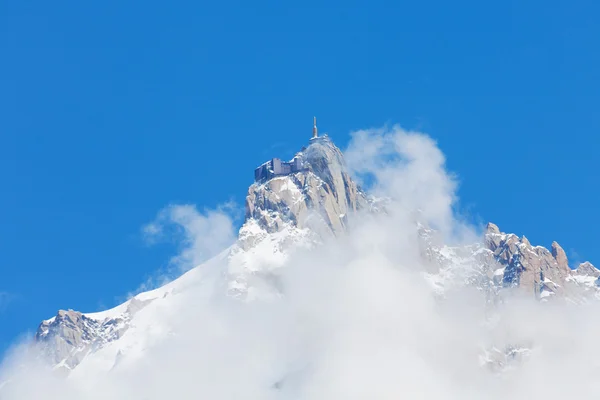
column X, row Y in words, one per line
column 283, row 213
column 296, row 211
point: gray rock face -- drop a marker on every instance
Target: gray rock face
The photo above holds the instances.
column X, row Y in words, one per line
column 560, row 256
column 505, row 261
column 69, row 336
column 320, row 198
column 587, row 269
column 531, row 269
column 492, row 228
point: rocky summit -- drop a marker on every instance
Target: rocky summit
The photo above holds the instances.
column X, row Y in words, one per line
column 300, row 208
column 320, row 196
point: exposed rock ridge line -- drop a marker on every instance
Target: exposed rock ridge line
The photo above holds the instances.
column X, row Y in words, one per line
column 320, row 198
column 71, row 335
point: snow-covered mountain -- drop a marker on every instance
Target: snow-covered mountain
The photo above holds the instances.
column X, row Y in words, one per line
column 301, row 210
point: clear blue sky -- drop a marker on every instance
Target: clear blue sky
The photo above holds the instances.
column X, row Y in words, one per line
column 111, row 110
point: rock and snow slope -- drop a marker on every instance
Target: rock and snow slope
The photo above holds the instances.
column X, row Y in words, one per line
column 301, row 210
column 297, row 210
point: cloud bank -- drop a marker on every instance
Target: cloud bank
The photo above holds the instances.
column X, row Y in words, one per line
column 356, row 319
column 198, row 235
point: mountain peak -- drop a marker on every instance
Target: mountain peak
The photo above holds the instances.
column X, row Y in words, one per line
column 492, row 228
column 314, row 188
column 587, row 268
column 320, row 153
column 559, row 255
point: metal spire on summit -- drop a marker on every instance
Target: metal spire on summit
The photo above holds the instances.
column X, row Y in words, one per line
column 315, row 134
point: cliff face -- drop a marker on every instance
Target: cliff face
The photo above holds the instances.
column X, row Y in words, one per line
column 320, row 198
column 503, row 262
column 299, row 209
column 534, row 269
column 70, row 336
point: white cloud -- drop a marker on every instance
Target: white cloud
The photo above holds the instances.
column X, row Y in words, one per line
column 356, row 321
column 199, row 235
column 409, row 167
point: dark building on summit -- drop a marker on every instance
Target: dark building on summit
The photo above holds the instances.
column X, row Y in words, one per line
column 275, row 167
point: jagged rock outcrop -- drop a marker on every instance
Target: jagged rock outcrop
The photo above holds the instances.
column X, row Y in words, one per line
column 530, row 268
column 587, row 279
column 492, row 228
column 587, row 269
column 320, row 198
column 298, row 209
column 560, row 256
column 505, row 261
column 69, row 336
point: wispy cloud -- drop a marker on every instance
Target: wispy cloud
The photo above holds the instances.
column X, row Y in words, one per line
column 198, row 236
column 5, row 299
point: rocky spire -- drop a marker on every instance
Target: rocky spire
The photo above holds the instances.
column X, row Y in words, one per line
column 492, row 237
column 492, row 228
column 323, row 193
column 560, row 256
